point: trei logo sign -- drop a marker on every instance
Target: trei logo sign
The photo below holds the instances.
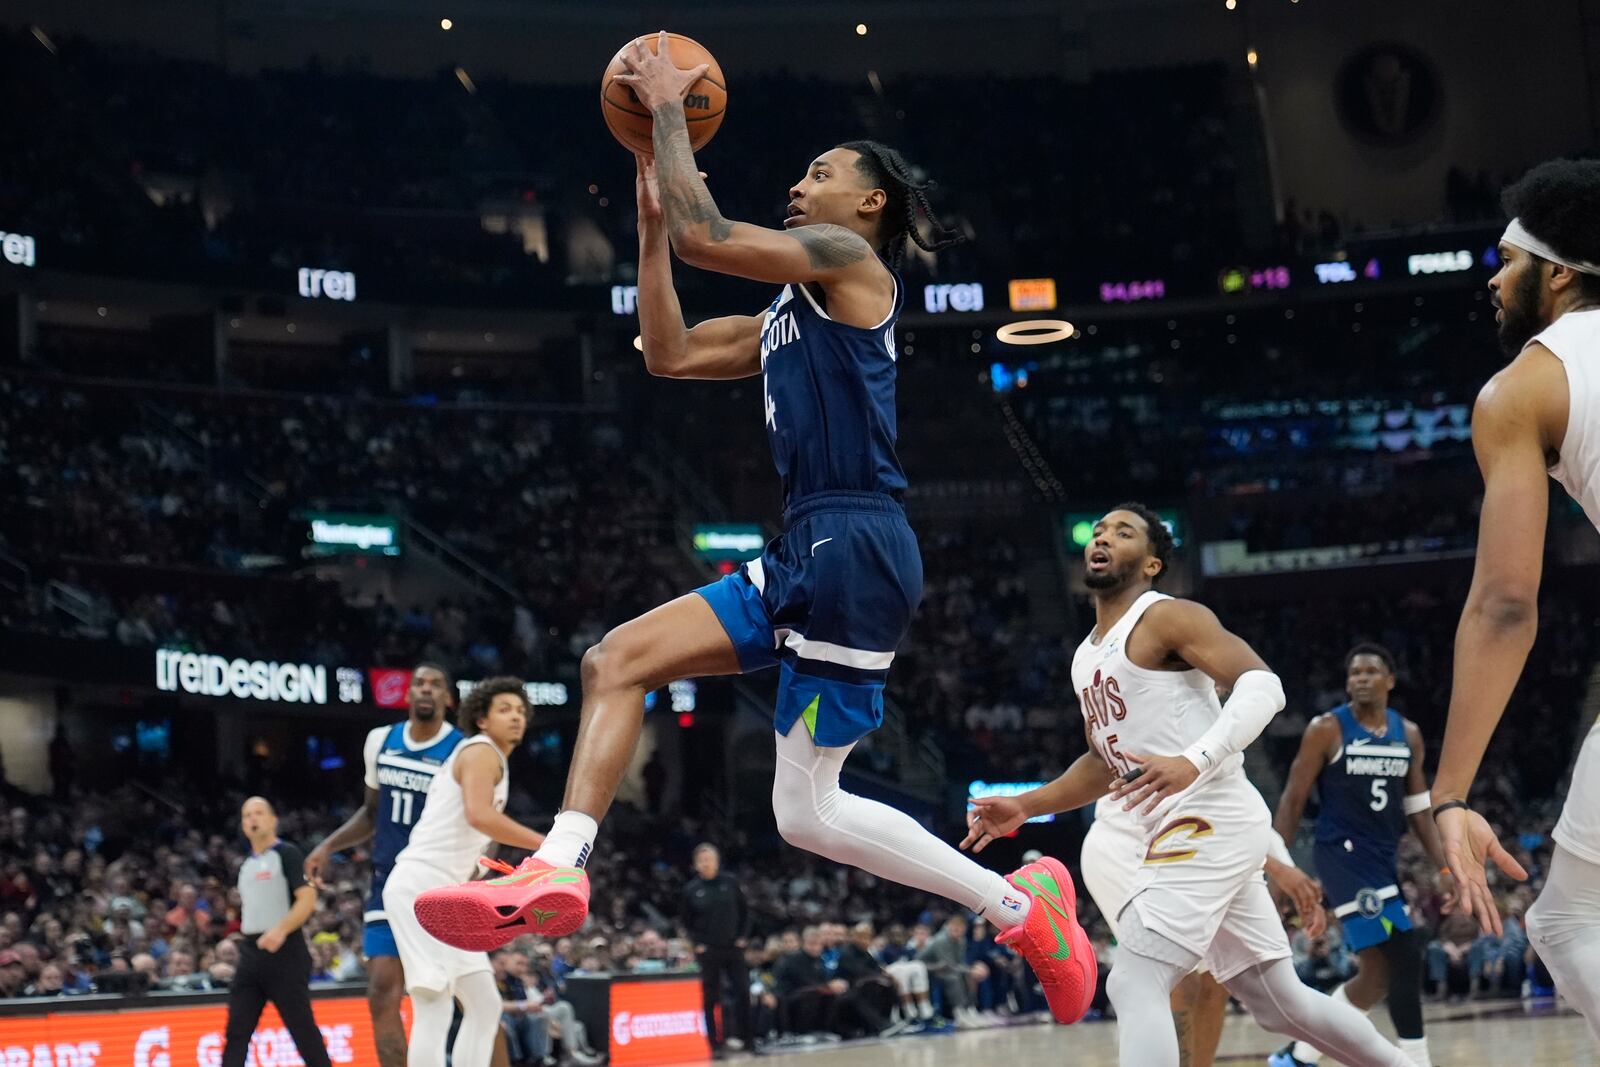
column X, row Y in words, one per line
column 332, row 284
column 18, row 249
column 967, row 296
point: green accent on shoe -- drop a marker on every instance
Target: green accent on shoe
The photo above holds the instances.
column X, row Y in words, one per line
column 544, row 916
column 1388, row 927
column 810, row 714
column 1044, row 889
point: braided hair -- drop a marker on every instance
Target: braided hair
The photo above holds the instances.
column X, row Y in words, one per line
column 884, row 168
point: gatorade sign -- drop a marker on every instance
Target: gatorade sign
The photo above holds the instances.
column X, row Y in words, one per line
column 658, row 1022
column 192, row 1036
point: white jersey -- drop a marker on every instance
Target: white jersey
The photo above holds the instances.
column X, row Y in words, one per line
column 1129, row 708
column 1193, row 867
column 442, row 837
column 1574, row 338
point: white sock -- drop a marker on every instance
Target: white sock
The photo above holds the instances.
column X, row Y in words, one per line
column 925, row 1009
column 813, row 813
column 1304, row 1052
column 1417, row 1049
column 570, row 840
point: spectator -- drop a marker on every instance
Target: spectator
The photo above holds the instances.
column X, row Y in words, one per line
column 1322, row 962
column 527, row 1035
column 810, row 1000
column 13, row 977
column 1450, row 957
column 910, row 976
column 869, row 981
column 945, row 955
column 51, row 983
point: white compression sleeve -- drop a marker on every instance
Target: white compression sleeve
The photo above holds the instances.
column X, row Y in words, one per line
column 1257, row 696
column 1279, row 851
column 431, row 1013
column 480, row 1020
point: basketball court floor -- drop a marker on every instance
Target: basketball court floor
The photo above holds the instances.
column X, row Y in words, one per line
column 1493, row 1034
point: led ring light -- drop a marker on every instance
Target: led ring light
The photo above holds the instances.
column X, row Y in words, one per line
column 1034, row 332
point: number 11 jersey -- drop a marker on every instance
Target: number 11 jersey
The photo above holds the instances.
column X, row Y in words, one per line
column 401, row 771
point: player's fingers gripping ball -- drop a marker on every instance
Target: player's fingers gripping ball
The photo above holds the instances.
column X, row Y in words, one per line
column 705, row 99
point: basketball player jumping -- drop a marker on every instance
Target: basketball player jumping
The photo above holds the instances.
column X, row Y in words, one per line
column 464, row 814
column 401, row 760
column 1363, row 757
column 830, row 599
column 1538, row 418
column 1165, row 747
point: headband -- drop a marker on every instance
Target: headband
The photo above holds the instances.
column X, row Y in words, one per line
column 1517, row 234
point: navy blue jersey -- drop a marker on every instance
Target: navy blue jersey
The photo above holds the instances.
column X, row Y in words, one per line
column 1363, row 791
column 401, row 773
column 829, row 396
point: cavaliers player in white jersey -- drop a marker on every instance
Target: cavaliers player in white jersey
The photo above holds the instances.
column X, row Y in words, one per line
column 1113, row 851
column 1165, row 748
column 465, row 812
column 1538, row 418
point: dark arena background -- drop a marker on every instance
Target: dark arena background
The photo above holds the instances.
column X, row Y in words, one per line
column 319, row 359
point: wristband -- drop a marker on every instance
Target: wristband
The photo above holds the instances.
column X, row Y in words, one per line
column 1417, row 802
column 1449, row 805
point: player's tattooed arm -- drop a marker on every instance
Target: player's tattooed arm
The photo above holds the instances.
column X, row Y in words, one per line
column 703, row 237
column 830, row 247
column 685, row 199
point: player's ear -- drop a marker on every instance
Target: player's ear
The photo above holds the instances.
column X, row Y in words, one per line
column 872, row 203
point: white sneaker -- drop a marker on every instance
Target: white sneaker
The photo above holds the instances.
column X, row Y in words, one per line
column 967, row 1019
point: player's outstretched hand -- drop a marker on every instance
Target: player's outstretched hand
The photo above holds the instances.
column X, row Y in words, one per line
column 316, row 860
column 655, row 79
column 992, row 817
column 1469, row 841
column 1154, row 779
column 1303, row 891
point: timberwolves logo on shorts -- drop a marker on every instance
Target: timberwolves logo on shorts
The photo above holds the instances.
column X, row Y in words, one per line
column 1369, row 905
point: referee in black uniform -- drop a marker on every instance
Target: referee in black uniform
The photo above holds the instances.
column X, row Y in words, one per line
column 274, row 963
column 718, row 920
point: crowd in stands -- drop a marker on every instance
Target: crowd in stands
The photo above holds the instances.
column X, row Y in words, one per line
column 248, row 176
column 158, row 508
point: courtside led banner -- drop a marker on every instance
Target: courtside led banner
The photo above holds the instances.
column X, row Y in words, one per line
column 186, row 1036
column 658, row 1022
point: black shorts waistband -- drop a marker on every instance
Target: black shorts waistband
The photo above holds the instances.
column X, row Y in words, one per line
column 881, row 503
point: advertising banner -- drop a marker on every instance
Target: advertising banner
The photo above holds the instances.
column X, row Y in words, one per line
column 177, row 1036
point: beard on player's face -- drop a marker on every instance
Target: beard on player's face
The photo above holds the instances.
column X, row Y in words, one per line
column 1119, row 575
column 1520, row 320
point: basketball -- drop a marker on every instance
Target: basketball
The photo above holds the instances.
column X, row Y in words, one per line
column 704, row 105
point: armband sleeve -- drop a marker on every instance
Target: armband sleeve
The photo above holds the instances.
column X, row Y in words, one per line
column 1257, row 697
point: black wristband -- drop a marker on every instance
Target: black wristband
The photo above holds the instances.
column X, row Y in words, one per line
column 1448, row 805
